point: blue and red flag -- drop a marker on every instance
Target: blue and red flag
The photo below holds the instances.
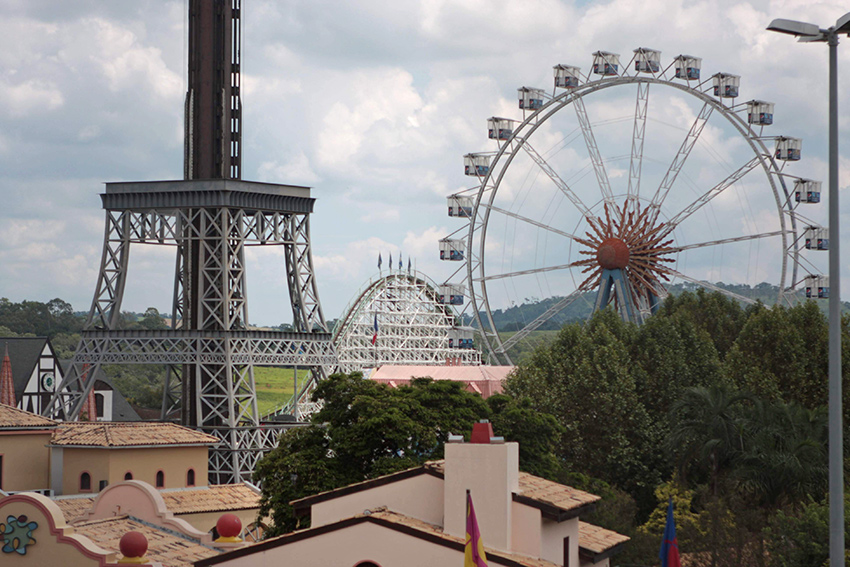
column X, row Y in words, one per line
column 669, row 553
column 375, row 336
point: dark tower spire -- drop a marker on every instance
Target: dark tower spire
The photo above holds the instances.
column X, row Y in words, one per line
column 213, row 138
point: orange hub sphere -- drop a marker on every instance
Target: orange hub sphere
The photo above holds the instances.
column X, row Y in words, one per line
column 613, row 254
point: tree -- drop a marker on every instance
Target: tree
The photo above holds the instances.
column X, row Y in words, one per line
column 366, row 429
column 586, row 379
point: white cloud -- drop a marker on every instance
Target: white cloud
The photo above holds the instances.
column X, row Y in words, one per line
column 374, row 105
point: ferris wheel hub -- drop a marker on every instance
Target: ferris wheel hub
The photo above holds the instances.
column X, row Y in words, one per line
column 613, row 254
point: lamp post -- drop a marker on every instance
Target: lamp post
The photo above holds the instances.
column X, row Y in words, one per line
column 811, row 33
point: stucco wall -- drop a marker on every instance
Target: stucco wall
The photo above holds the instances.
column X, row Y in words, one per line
column 491, row 473
column 112, row 464
column 525, row 534
column 76, row 461
column 418, row 497
column 26, row 460
column 173, row 461
column 552, row 540
column 349, row 546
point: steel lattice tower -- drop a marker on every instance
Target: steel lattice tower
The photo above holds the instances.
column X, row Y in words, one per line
column 209, row 218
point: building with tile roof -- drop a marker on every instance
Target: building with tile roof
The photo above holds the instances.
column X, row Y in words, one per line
column 483, row 379
column 200, row 506
column 24, row 457
column 417, row 517
column 37, row 372
column 86, row 457
column 42, row 536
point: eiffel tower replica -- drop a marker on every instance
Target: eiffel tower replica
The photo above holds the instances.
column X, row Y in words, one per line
column 209, row 217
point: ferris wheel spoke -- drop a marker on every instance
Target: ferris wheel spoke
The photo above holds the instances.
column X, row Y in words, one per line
column 636, row 162
column 733, row 177
column 529, row 221
column 559, row 306
column 593, row 150
column 533, row 271
column 708, row 285
column 728, row 240
column 556, row 179
column 679, row 160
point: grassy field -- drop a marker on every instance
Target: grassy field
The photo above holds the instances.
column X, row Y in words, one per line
column 275, row 386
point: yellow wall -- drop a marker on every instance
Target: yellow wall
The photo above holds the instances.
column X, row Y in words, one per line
column 26, row 460
column 75, row 461
column 111, row 464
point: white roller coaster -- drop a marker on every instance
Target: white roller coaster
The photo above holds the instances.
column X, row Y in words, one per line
column 403, row 318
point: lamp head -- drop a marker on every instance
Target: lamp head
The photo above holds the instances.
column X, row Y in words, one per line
column 842, row 25
column 793, row 27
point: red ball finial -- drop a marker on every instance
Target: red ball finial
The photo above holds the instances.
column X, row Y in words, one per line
column 133, row 544
column 229, row 525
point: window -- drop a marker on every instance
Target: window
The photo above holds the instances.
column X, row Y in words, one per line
column 567, row 551
column 1, row 472
column 85, row 482
column 190, row 477
column 98, row 404
column 367, row 564
column 128, row 475
column 160, row 479
column 103, row 484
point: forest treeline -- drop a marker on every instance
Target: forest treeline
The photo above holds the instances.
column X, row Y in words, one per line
column 720, row 407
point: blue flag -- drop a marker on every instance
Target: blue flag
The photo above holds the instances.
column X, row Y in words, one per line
column 379, row 261
column 669, row 553
column 390, row 263
column 400, row 265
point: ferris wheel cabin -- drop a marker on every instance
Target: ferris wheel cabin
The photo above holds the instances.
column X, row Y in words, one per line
column 789, row 149
column 452, row 249
column 606, row 64
column 530, row 98
column 461, row 337
column 566, row 76
column 687, row 67
column 726, row 85
column 499, row 128
column 647, row 60
column 807, row 191
column 460, row 206
column 476, row 164
column 451, row 294
column 760, row 113
column 817, row 286
column 817, row 238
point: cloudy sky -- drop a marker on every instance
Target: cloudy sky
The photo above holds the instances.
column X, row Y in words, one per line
column 371, row 103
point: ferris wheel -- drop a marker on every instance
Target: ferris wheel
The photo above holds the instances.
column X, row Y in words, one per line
column 600, row 194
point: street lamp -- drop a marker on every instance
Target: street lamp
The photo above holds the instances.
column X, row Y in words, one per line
column 807, row 33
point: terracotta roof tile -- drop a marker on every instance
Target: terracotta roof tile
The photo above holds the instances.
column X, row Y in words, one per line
column 127, row 434
column 539, row 489
column 13, row 418
column 598, row 540
column 558, row 495
column 213, row 498
column 163, row 546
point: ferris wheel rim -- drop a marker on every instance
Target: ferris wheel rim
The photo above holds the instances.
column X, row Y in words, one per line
column 479, row 220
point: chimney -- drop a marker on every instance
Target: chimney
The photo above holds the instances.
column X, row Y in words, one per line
column 7, row 385
column 489, row 468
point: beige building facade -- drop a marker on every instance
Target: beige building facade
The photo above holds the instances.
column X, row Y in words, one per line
column 417, row 518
